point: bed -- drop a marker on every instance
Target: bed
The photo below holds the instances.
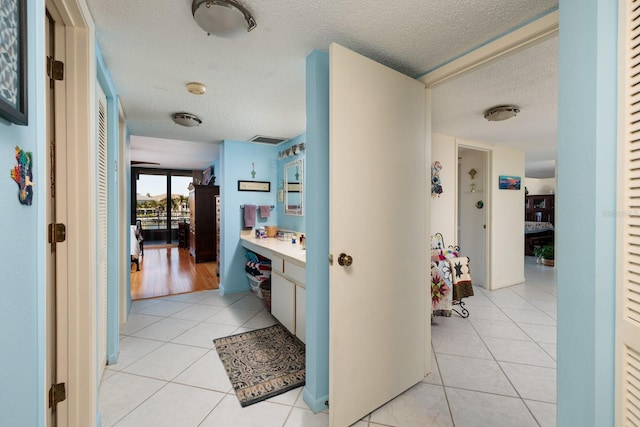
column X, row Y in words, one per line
column 537, row 233
column 450, row 279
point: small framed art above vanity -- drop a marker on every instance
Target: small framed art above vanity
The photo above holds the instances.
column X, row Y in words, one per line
column 294, row 188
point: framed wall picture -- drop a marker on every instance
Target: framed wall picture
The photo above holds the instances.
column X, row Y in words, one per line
column 262, row 186
column 507, row 182
column 13, row 61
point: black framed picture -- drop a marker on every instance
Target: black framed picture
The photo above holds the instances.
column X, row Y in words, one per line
column 13, row 61
column 262, row 186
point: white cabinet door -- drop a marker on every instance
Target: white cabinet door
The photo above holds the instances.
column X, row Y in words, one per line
column 283, row 301
column 301, row 313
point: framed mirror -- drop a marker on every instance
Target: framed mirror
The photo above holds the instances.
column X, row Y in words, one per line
column 293, row 188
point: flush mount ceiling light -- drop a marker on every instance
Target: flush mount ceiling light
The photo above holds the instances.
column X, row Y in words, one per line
column 222, row 18
column 186, row 119
column 500, row 113
column 196, row 88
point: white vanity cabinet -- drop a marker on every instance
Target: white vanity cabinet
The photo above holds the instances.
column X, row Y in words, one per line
column 288, row 298
column 283, row 301
column 288, row 277
column 301, row 313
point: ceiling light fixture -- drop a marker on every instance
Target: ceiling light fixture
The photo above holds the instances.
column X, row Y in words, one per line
column 196, row 88
column 222, row 18
column 186, row 119
column 500, row 113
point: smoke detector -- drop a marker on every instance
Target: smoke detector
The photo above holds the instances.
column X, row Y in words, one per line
column 186, row 119
column 196, row 88
column 500, row 113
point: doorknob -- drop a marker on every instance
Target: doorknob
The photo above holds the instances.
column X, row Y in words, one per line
column 345, row 260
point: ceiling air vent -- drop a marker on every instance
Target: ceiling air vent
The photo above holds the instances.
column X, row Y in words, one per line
column 267, row 140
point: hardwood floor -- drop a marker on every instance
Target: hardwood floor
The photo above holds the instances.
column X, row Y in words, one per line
column 168, row 271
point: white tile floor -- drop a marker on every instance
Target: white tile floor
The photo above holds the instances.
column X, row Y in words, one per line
column 496, row 368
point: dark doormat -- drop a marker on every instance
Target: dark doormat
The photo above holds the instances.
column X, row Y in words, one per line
column 262, row 363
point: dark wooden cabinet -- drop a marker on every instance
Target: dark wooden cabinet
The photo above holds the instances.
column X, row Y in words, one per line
column 183, row 235
column 540, row 208
column 202, row 222
column 539, row 216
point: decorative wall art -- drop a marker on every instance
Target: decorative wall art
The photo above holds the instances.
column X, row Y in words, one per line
column 13, row 61
column 23, row 175
column 507, row 182
column 436, row 184
column 262, row 186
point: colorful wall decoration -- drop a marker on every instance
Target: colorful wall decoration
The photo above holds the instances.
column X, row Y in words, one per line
column 507, row 182
column 22, row 174
column 436, row 185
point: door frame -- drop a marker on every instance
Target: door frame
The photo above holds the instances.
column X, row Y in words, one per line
column 55, row 337
column 76, row 313
column 124, row 218
column 520, row 39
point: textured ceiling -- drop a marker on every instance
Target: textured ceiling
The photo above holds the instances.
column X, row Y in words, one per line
column 256, row 84
column 527, row 79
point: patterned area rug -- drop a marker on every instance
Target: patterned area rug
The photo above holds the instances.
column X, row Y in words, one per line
column 262, row 363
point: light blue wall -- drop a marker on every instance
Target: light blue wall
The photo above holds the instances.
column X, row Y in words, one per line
column 113, row 206
column 316, row 390
column 290, row 222
column 586, row 191
column 236, row 159
column 23, row 247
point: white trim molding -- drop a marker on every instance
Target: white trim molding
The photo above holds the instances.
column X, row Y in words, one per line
column 523, row 37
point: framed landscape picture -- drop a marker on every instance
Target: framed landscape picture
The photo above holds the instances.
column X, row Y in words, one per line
column 13, row 61
column 507, row 182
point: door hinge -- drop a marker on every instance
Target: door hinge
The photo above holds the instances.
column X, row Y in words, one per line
column 57, row 233
column 55, row 69
column 57, row 394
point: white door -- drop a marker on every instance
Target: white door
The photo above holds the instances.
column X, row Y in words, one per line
column 628, row 299
column 472, row 220
column 378, row 187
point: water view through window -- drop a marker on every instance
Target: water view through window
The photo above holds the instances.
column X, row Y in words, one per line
column 155, row 210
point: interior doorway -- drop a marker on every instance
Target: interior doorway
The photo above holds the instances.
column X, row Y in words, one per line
column 473, row 210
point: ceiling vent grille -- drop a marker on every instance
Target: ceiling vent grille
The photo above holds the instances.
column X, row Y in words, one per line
column 267, row 140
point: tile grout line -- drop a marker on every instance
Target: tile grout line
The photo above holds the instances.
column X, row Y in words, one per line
column 505, row 374
column 171, row 381
column 444, row 389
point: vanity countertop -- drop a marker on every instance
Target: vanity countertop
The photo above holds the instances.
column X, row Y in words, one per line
column 283, row 248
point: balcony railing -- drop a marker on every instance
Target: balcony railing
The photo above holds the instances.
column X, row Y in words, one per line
column 159, row 221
